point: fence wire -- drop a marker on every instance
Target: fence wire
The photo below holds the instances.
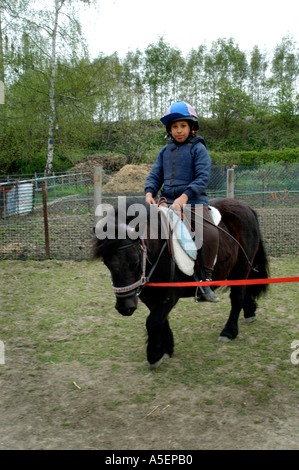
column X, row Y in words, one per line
column 272, row 185
column 272, row 190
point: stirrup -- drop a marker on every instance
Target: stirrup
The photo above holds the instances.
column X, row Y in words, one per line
column 205, row 293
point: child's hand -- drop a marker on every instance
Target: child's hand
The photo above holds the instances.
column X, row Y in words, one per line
column 180, row 201
column 149, row 198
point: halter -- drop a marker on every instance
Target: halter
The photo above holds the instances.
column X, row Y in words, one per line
column 126, row 290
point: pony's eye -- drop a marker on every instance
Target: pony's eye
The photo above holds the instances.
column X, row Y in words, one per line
column 133, row 265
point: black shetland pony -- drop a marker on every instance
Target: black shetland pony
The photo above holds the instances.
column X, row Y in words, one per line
column 133, row 262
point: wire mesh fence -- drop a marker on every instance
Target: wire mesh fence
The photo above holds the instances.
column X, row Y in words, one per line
column 66, row 225
column 69, row 212
column 272, row 185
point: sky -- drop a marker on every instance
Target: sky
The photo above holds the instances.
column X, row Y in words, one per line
column 127, row 25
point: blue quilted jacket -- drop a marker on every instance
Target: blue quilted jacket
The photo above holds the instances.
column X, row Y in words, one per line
column 181, row 169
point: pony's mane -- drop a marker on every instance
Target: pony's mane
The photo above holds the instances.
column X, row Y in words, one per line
column 109, row 245
column 102, row 247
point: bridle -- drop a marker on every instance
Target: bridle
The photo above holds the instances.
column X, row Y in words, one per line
column 126, row 291
column 137, row 286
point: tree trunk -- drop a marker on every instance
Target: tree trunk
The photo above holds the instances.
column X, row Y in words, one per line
column 1, row 65
column 52, row 114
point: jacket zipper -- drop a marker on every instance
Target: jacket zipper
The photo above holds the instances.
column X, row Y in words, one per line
column 174, row 165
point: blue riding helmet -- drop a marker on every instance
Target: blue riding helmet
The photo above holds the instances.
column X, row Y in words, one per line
column 180, row 111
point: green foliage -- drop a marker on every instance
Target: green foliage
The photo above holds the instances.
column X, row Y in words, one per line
column 256, row 157
column 247, row 103
column 140, row 141
column 267, row 177
column 137, row 140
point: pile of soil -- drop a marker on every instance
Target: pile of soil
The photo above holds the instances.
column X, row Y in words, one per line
column 109, row 161
column 130, row 179
column 117, row 177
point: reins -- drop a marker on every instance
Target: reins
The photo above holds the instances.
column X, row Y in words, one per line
column 233, row 238
column 218, row 227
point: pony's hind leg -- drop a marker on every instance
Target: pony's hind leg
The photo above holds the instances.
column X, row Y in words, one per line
column 167, row 339
column 230, row 331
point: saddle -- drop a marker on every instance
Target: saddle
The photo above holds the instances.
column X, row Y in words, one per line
column 183, row 245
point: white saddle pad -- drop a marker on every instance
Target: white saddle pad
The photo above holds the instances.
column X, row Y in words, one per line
column 185, row 251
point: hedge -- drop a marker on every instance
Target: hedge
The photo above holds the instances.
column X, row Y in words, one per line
column 255, row 157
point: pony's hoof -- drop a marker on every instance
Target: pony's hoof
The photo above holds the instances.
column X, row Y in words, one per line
column 224, row 339
column 249, row 319
column 157, row 364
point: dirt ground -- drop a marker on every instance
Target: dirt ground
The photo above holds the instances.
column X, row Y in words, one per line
column 75, row 374
column 72, row 407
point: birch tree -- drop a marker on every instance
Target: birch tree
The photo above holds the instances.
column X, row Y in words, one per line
column 55, row 33
column 1, row 65
column 52, row 114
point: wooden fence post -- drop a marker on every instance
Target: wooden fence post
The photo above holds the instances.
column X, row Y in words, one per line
column 97, row 177
column 230, row 183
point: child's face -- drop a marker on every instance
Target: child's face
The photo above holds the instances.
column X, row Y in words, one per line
column 180, row 131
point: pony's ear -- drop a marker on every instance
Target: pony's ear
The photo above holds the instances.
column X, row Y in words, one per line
column 137, row 218
column 132, row 229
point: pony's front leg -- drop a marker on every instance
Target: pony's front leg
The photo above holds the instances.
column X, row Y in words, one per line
column 160, row 338
column 230, row 331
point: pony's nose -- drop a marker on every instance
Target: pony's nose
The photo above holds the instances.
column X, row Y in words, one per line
column 126, row 312
column 126, row 306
